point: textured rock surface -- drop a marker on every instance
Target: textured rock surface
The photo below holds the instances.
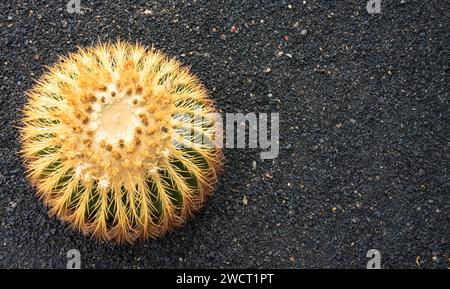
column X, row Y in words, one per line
column 363, row 102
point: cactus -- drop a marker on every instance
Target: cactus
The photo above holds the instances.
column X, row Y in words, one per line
column 102, row 146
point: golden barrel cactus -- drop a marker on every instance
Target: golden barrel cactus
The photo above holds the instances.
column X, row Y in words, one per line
column 104, row 142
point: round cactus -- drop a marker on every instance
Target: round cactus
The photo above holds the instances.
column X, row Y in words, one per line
column 105, row 142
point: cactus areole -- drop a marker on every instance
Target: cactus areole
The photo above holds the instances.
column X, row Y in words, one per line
column 104, row 142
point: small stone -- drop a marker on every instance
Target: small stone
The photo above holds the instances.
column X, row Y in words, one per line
column 304, row 32
column 352, row 121
column 267, row 70
column 37, row 57
column 268, row 175
column 270, row 95
column 148, row 12
column 245, row 200
column 10, row 18
column 233, row 29
column 430, row 201
column 334, row 210
column 254, row 165
column 434, row 258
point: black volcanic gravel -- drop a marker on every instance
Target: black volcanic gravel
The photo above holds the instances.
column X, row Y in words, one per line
column 364, row 130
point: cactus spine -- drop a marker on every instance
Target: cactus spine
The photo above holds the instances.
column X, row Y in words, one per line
column 99, row 141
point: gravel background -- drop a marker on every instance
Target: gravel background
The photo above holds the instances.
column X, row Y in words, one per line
column 364, row 108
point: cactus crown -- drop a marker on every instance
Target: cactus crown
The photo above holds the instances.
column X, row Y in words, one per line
column 101, row 142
